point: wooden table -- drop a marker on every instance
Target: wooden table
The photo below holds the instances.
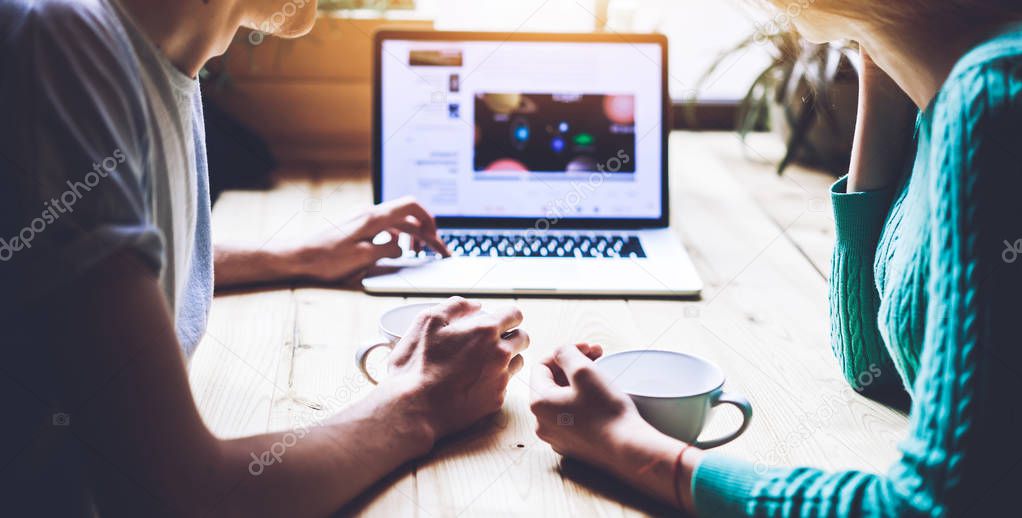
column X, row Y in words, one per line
column 761, row 243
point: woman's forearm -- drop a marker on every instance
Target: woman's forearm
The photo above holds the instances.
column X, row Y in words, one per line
column 648, row 460
column 883, row 131
column 315, row 470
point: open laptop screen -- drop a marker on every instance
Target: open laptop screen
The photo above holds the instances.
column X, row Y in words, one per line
column 522, row 129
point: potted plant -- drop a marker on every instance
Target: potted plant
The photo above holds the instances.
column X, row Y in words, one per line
column 807, row 93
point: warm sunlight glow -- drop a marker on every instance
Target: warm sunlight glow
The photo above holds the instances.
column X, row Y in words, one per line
column 698, row 31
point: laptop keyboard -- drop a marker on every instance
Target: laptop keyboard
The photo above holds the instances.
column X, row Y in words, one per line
column 542, row 245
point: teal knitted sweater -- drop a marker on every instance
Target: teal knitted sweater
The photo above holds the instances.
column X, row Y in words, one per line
column 926, row 283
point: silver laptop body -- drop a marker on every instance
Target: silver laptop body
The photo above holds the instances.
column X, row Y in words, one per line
column 544, row 158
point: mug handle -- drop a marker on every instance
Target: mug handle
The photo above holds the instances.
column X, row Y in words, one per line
column 740, row 403
column 363, row 354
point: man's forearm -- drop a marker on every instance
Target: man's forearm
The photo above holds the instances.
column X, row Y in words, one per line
column 237, row 265
column 315, row 471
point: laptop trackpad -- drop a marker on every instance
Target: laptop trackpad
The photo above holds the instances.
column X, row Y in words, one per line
column 470, row 275
column 531, row 274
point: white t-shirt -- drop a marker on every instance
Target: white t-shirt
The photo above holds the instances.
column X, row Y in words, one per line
column 111, row 155
column 101, row 149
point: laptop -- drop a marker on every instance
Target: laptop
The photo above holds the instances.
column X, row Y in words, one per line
column 542, row 156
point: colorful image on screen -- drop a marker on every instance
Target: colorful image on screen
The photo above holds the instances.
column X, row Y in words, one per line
column 553, row 133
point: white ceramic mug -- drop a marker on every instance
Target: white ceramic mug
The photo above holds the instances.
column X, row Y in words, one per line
column 674, row 392
column 393, row 325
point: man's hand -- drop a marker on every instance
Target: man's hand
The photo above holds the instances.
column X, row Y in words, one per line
column 457, row 362
column 338, row 254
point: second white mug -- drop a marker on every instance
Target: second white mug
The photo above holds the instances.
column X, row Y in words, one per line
column 674, row 392
column 394, row 323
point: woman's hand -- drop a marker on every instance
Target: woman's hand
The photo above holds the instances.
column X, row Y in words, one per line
column 578, row 411
column 582, row 416
column 456, row 362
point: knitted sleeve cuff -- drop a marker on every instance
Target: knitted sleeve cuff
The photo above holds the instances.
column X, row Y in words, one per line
column 859, row 216
column 722, row 486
